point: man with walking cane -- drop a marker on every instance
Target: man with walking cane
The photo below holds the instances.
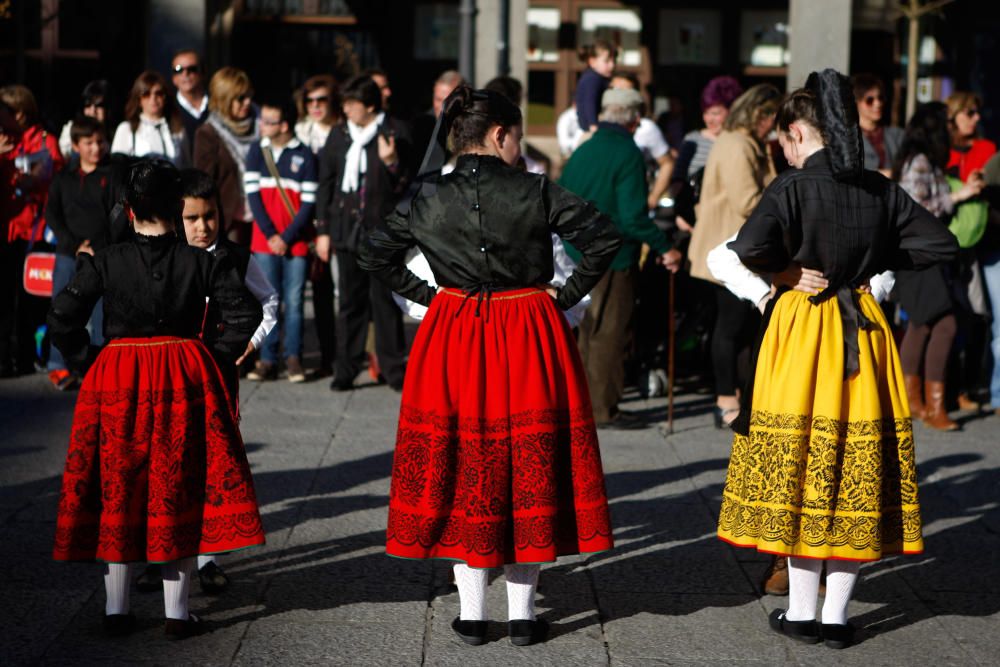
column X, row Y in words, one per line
column 608, row 171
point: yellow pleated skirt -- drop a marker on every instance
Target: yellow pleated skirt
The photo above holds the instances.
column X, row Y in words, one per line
column 828, row 467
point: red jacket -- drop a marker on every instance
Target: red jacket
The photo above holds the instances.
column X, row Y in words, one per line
column 969, row 161
column 37, row 151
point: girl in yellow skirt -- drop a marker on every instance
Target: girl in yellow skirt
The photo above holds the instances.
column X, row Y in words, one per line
column 823, row 466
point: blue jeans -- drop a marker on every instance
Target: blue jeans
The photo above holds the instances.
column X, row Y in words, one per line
column 991, row 276
column 63, row 273
column 288, row 276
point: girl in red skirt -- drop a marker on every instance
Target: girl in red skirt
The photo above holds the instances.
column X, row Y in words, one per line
column 156, row 470
column 497, row 461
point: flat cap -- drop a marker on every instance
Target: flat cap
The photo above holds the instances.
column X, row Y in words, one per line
column 621, row 97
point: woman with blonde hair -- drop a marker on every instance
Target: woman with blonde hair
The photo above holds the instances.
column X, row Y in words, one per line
column 152, row 125
column 736, row 173
column 318, row 104
column 222, row 142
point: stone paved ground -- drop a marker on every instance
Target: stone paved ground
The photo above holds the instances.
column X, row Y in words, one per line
column 322, row 592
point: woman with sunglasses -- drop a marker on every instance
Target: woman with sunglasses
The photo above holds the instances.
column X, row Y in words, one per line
column 881, row 142
column 319, row 110
column 152, row 125
column 221, row 145
column 969, row 153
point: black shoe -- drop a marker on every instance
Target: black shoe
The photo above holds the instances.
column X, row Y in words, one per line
column 806, row 632
column 623, row 421
column 177, row 629
column 470, row 632
column 341, row 385
column 118, row 625
column 213, row 579
column 837, row 636
column 150, row 581
column 526, row 633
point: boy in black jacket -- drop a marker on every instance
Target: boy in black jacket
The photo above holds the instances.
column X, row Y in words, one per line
column 78, row 209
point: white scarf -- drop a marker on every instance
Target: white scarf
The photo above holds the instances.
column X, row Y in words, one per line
column 357, row 158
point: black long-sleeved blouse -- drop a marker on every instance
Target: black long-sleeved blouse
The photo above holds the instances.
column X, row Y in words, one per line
column 155, row 286
column 486, row 226
column 849, row 231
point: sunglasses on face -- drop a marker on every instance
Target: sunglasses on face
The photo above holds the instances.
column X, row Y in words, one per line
column 187, row 69
column 972, row 113
column 266, row 121
column 100, row 104
column 872, row 99
column 319, row 99
column 245, row 97
column 154, row 93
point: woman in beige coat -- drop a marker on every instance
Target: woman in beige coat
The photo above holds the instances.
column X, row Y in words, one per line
column 738, row 169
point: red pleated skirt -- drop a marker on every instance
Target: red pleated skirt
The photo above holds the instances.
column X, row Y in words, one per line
column 496, row 457
column 156, row 469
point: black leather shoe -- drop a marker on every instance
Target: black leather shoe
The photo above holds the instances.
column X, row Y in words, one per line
column 118, row 625
column 213, row 579
column 837, row 636
column 526, row 633
column 470, row 632
column 151, row 580
column 177, row 629
column 806, row 632
column 341, row 385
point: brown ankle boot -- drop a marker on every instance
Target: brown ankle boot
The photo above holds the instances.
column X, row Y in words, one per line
column 776, row 577
column 915, row 394
column 936, row 416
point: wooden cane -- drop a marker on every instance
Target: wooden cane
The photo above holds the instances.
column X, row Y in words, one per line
column 670, row 360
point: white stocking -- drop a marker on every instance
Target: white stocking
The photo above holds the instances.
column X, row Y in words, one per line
column 522, row 580
column 176, row 586
column 841, row 575
column 803, row 588
column 116, row 585
column 471, row 584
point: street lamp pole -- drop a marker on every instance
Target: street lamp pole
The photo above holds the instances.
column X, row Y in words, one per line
column 503, row 43
column 467, row 40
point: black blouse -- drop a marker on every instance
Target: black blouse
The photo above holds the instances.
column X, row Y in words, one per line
column 849, row 231
column 487, row 226
column 155, row 286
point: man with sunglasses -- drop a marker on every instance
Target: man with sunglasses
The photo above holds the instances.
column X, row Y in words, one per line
column 881, row 142
column 192, row 98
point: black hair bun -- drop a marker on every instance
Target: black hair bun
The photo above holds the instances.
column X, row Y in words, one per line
column 838, row 115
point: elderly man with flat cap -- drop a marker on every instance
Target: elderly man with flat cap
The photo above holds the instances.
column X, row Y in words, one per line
column 608, row 170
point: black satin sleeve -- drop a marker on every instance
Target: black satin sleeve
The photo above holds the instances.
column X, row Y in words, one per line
column 383, row 254
column 921, row 239
column 70, row 311
column 761, row 241
column 233, row 311
column 589, row 231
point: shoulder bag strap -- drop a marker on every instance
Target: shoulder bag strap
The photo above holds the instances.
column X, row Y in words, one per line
column 272, row 169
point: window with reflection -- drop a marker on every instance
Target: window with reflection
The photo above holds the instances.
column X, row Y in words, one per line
column 621, row 27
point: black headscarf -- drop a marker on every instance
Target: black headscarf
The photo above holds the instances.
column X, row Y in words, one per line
column 838, row 115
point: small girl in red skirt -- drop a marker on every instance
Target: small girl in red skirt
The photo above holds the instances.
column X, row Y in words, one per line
column 497, row 461
column 156, row 470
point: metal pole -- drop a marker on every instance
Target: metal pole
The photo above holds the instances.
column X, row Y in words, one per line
column 467, row 40
column 671, row 344
column 911, row 56
column 503, row 43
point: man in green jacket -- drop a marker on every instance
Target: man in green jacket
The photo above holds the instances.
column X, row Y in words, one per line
column 608, row 170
